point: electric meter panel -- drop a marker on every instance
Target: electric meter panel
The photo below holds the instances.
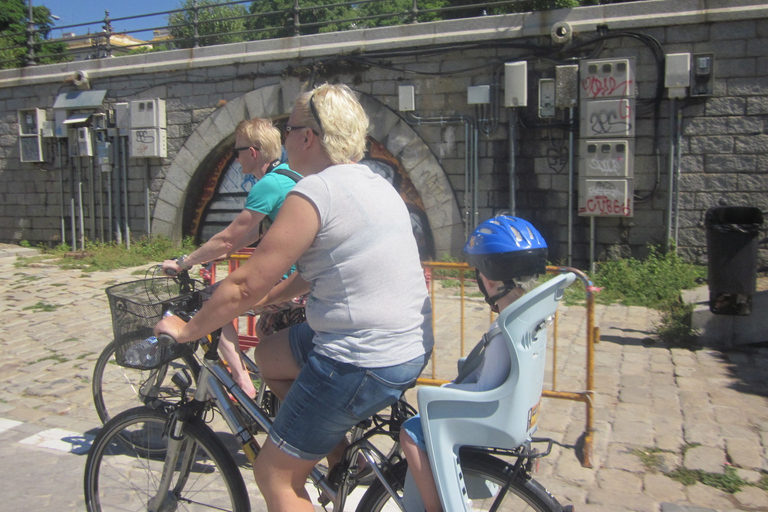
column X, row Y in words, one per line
column 148, row 143
column 608, row 158
column 608, row 118
column 148, row 114
column 606, row 197
column 607, row 78
column 31, row 124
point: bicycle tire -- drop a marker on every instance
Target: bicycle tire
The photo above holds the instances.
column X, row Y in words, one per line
column 485, row 471
column 116, row 388
column 118, row 477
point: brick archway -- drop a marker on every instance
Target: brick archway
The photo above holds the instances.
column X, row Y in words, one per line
column 386, row 127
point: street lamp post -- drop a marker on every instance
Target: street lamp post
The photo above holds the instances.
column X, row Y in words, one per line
column 30, row 38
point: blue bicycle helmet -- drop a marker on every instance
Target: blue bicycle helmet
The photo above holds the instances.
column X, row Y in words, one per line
column 504, row 248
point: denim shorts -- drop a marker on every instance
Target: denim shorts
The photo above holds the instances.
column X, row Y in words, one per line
column 330, row 397
column 414, row 429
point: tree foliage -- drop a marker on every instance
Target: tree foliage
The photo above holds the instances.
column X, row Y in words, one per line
column 14, row 18
column 216, row 23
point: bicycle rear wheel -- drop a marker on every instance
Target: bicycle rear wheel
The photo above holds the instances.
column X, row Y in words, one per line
column 117, row 388
column 120, row 476
column 485, row 478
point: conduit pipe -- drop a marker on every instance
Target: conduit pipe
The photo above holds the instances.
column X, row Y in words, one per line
column 678, row 171
column 470, row 160
column 671, row 169
column 127, row 230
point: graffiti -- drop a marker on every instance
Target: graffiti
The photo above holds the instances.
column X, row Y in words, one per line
column 602, row 205
column 607, row 87
column 144, row 136
column 604, row 189
column 606, row 122
column 613, row 167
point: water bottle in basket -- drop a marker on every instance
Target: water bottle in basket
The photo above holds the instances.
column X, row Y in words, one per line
column 144, row 353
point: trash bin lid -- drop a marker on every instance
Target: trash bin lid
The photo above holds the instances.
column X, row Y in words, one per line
column 741, row 219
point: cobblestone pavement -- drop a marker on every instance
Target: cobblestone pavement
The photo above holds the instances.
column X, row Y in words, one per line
column 656, row 408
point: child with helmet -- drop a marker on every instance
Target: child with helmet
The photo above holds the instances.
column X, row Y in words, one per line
column 508, row 254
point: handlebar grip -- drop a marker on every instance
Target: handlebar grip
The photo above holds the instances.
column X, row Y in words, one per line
column 170, row 272
column 166, row 340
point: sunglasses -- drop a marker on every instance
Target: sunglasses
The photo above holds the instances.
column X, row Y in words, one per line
column 236, row 151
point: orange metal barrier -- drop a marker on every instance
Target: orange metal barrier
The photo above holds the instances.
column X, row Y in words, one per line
column 249, row 339
column 592, row 332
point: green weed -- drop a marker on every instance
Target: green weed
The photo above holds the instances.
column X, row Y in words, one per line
column 42, row 307
column 651, row 458
column 651, row 282
column 676, row 324
column 728, row 481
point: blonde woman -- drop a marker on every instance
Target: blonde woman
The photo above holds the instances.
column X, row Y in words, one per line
column 368, row 331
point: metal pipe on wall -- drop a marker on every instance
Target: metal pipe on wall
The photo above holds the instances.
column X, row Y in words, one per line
column 127, row 230
column 118, row 204
column 72, row 216
column 146, row 197
column 671, row 170
column 61, row 190
column 678, row 171
column 476, row 178
column 570, row 189
column 512, row 161
column 80, row 212
column 92, row 197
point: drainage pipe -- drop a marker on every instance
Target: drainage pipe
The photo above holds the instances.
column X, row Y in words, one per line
column 570, row 190
column 127, row 230
column 678, row 171
column 671, row 170
column 61, row 189
column 118, row 210
column 146, row 197
column 512, row 161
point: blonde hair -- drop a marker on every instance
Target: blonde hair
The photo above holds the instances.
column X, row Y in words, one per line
column 262, row 134
column 338, row 119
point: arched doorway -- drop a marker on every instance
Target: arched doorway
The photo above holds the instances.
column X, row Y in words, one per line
column 203, row 190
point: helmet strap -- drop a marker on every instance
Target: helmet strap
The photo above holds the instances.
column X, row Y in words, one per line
column 503, row 290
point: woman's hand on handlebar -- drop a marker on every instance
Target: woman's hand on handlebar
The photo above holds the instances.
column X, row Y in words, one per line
column 173, row 326
column 171, row 268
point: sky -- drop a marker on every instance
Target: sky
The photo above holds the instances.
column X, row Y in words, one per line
column 74, row 12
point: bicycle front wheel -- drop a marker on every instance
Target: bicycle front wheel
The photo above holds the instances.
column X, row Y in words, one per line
column 124, row 476
column 485, row 478
column 117, row 388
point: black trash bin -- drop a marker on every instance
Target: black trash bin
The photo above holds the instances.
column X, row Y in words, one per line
column 732, row 240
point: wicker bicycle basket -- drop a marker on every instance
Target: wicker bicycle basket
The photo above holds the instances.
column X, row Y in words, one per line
column 137, row 306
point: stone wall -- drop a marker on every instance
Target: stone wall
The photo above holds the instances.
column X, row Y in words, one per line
column 724, row 156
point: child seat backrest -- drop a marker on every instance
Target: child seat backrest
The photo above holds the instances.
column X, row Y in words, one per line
column 504, row 417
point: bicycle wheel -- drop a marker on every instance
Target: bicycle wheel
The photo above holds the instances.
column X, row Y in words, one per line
column 116, row 388
column 485, row 477
column 119, row 477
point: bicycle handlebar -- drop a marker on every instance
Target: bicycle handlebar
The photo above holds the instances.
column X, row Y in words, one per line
column 166, row 340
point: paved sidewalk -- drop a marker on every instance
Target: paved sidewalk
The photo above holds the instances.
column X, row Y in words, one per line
column 700, row 408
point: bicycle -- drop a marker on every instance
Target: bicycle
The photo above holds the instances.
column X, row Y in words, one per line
column 183, row 463
column 136, row 307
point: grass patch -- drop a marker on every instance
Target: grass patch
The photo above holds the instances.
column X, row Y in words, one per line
column 54, row 357
column 99, row 256
column 651, row 458
column 676, row 324
column 652, row 282
column 42, row 306
column 728, row 482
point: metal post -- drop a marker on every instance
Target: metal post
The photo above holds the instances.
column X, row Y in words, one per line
column 127, row 230
column 678, row 171
column 512, row 161
column 296, row 21
column 146, row 197
column 196, row 34
column 31, row 37
column 61, row 189
column 80, row 214
column 570, row 189
column 108, row 31
column 671, row 169
column 92, row 198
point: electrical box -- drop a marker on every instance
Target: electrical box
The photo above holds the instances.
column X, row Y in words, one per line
column 406, row 98
column 516, row 84
column 31, row 124
column 703, row 74
column 479, row 95
column 607, row 78
column 608, row 118
column 605, row 197
column 84, row 141
column 148, row 143
column 567, row 86
column 148, row 114
column 123, row 119
column 677, row 74
column 103, row 150
column 546, row 97
column 607, row 158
